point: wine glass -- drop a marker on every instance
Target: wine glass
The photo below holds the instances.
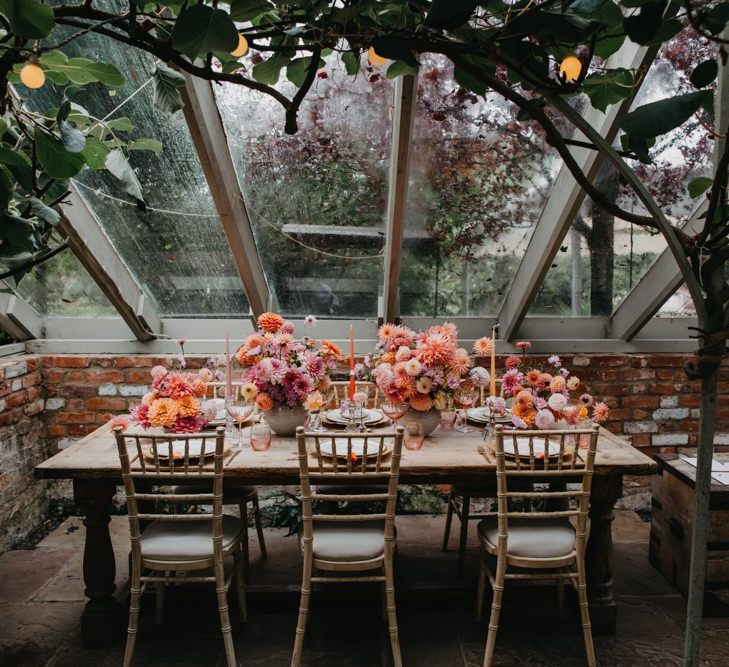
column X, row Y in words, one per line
column 464, row 398
column 394, row 410
column 239, row 410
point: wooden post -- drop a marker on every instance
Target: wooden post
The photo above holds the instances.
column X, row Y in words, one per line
column 100, row 621
column 599, row 556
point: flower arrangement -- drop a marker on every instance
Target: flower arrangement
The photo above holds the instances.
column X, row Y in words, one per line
column 281, row 369
column 175, row 401
column 542, row 398
column 422, row 369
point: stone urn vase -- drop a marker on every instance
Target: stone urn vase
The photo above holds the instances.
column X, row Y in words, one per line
column 284, row 420
column 429, row 419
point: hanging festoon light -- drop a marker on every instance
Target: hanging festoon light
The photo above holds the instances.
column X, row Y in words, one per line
column 374, row 59
column 242, row 47
column 31, row 74
column 571, row 67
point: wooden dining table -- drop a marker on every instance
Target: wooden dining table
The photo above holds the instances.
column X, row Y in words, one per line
column 446, row 457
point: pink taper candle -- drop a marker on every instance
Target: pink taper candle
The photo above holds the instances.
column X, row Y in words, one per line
column 493, row 362
column 352, row 387
column 228, row 368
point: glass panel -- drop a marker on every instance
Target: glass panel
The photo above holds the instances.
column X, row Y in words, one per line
column 614, row 254
column 317, row 199
column 478, row 181
column 680, row 304
column 177, row 250
column 62, row 287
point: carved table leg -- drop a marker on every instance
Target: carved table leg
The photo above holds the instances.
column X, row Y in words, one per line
column 100, row 619
column 599, row 554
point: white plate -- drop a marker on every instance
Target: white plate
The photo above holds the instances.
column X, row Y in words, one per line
column 482, row 415
column 357, row 447
column 178, row 449
column 522, row 445
column 370, row 416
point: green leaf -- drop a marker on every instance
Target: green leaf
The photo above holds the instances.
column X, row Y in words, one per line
column 200, row 29
column 393, row 47
column 7, row 186
column 449, row 14
column 56, row 160
column 296, row 71
column 117, row 164
column 704, row 73
column 121, row 124
column 18, row 231
column 146, row 145
column 646, row 24
column 19, row 165
column 246, row 10
column 28, row 18
column 166, row 84
column 95, row 153
column 73, row 139
column 399, row 68
column 609, row 88
column 44, row 212
column 268, row 71
column 657, row 118
column 469, row 82
column 351, row 62
column 699, row 185
column 59, row 68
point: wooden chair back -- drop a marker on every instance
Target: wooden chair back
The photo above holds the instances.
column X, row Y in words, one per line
column 572, row 464
column 217, row 390
column 146, row 465
column 380, row 462
column 341, row 392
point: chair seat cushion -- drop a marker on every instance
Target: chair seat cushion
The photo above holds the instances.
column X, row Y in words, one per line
column 347, row 541
column 531, row 538
column 232, row 492
column 187, row 540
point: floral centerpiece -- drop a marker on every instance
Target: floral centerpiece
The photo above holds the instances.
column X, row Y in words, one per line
column 282, row 373
column 176, row 402
column 542, row 398
column 421, row 369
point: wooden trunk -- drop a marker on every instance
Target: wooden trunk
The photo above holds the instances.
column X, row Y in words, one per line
column 673, row 521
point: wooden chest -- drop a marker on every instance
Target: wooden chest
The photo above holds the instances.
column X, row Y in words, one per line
column 673, row 521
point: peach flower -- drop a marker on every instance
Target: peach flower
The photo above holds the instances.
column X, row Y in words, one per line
column 532, row 377
column 600, row 412
column 557, row 384
column 460, row 362
column 483, row 347
column 264, row 401
column 525, row 398
column 421, row 402
column 187, row 406
column 249, row 391
column 270, row 322
column 331, row 350
column 163, row 412
column 512, row 361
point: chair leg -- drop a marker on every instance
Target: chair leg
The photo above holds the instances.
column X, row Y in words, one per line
column 449, row 520
column 303, row 609
column 390, row 599
column 222, row 594
column 498, row 588
column 463, row 540
column 240, row 584
column 560, row 598
column 259, row 527
column 481, row 594
column 244, row 543
column 134, row 597
column 585, row 612
column 159, row 599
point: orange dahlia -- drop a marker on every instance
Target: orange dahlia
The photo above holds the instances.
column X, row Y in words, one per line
column 436, row 349
column 600, row 412
column 532, row 377
column 558, row 384
column 460, row 362
column 525, row 413
column 525, row 398
column 512, row 361
column 163, row 412
column 187, row 406
column 270, row 322
column 331, row 350
column 483, row 347
column 264, row 401
column 421, row 402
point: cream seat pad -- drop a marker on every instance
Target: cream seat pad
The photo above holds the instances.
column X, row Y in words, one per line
column 187, row 540
column 532, row 538
column 348, row 540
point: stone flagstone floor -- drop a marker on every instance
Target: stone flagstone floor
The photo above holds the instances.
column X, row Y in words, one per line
column 41, row 599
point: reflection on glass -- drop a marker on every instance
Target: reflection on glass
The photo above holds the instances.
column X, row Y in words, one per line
column 317, row 199
column 478, row 181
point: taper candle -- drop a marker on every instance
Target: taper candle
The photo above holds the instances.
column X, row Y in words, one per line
column 352, row 387
column 228, row 368
column 493, row 362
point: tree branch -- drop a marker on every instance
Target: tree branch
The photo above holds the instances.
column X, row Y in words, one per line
column 22, row 268
column 291, row 112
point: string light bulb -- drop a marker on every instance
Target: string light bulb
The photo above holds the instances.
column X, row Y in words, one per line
column 374, row 59
column 31, row 75
column 242, row 47
column 571, row 68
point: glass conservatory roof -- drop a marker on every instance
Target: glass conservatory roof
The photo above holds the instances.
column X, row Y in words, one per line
column 319, row 204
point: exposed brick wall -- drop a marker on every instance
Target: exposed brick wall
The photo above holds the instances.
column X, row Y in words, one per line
column 23, row 501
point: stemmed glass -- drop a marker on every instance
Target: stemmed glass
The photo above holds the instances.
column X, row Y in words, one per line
column 464, row 398
column 394, row 410
column 239, row 410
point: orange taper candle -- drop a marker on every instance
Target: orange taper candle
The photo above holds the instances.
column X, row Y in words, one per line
column 352, row 387
column 228, row 368
column 493, row 362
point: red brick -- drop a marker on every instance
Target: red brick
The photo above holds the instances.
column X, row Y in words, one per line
column 134, row 362
column 100, row 377
column 75, row 404
column 71, row 362
column 75, row 417
column 35, row 392
column 138, row 377
column 57, row 430
column 16, row 399
column 640, row 401
column 54, row 377
column 641, row 440
column 76, row 376
column 106, row 403
column 31, row 379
